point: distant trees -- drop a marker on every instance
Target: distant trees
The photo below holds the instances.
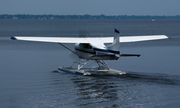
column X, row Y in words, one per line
column 86, row 16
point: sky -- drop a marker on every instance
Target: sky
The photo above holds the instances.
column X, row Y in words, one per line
column 91, row 7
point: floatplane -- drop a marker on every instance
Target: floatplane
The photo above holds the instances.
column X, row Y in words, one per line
column 94, row 49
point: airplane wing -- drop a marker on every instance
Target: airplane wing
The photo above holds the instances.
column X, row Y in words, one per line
column 52, row 39
column 142, row 38
column 90, row 39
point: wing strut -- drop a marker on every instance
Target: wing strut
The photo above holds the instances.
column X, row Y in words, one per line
column 67, row 48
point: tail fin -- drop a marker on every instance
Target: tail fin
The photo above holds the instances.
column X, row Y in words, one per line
column 115, row 45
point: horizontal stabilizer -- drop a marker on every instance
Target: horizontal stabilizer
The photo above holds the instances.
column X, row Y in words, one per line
column 127, row 55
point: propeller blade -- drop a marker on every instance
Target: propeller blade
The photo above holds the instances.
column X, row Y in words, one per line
column 83, row 33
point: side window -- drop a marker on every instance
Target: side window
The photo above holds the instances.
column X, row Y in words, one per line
column 81, row 45
column 85, row 45
column 90, row 47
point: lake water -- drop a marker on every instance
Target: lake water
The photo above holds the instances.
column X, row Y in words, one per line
column 28, row 79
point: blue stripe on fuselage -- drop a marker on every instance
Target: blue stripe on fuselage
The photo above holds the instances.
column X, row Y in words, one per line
column 102, row 50
column 86, row 51
column 109, row 51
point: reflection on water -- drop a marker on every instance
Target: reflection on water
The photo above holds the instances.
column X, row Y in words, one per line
column 98, row 90
column 120, row 91
column 67, row 90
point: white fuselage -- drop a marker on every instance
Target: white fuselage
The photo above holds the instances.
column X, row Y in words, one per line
column 88, row 51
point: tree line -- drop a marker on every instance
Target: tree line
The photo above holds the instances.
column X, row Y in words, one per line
column 86, row 16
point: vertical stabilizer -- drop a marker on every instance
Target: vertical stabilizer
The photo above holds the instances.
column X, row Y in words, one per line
column 115, row 45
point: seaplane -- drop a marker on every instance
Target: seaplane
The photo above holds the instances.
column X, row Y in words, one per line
column 94, row 49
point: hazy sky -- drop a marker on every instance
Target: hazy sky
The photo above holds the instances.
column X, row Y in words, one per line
column 92, row 7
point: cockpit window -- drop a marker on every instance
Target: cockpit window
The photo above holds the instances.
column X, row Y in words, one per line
column 85, row 45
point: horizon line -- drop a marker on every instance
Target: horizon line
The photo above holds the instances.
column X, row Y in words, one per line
column 89, row 15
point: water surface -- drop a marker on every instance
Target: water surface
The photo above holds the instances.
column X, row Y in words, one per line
column 28, row 79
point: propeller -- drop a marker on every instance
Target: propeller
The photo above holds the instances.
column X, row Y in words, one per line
column 82, row 33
